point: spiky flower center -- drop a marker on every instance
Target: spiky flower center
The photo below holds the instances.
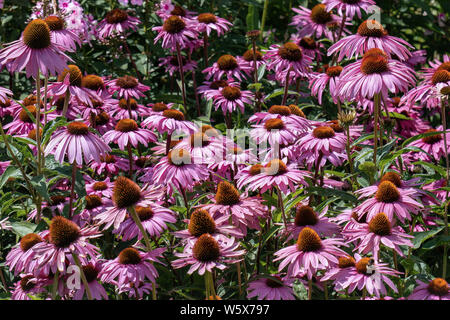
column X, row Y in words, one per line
column 199, row 139
column 33, row 134
column 23, row 115
column 335, row 125
column 323, row 132
column 218, row 84
column 290, row 51
column 26, row 283
column 141, row 162
column 144, row 213
column 100, row 186
column 275, row 167
column 393, row 177
column 174, row 24
column 129, row 256
column 253, row 34
column 159, row 107
column 371, row 28
column 440, row 76
column 90, row 272
column 109, row 158
column 249, row 56
column 209, row 131
column 206, row 248
column 256, row 169
column 432, row 139
column 31, row 100
column 178, row 11
column 380, row 225
column 5, row 104
column 102, row 119
column 93, row 82
column 126, row 125
column 37, row 34
column 296, row 110
column 438, row 286
column 75, row 75
column 206, row 18
column 127, row 82
column 179, row 157
column 305, row 216
column 235, row 150
column 93, row 201
column 281, row 110
column 361, row 265
column 308, row 240
column 334, row 71
column 78, row 128
column 63, row 232
column 374, row 64
column 55, row 200
column 387, row 192
column 308, row 43
column 201, row 223
column 227, row 194
column 174, row 61
column 274, row 124
column 320, row 15
column 231, row 93
column 346, row 262
column 358, row 219
column 126, row 192
column 29, row 240
column 173, row 114
column 116, row 16
column 351, row 1
column 227, row 62
column 55, row 23
column 271, row 283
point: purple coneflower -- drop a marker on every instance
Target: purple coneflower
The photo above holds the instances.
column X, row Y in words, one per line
column 169, row 121
column 202, row 148
column 77, row 142
column 432, row 144
column 4, row 93
column 211, row 88
column 100, row 188
column 29, row 284
column 370, row 35
column 207, row 253
column 127, row 87
column 207, row 22
column 170, row 64
column 116, row 22
column 320, row 81
column 109, row 164
column 21, row 257
column 127, row 132
column 273, row 288
column 228, row 66
column 91, row 272
column 349, row 7
column 60, row 36
column 436, row 289
column 274, row 131
column 286, row 58
column 310, row 254
column 34, row 51
column 230, row 98
column 176, row 31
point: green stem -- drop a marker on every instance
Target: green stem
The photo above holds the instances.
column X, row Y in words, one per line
column 83, row 276
column 281, row 205
column 55, row 284
column 376, row 117
column 138, row 222
column 66, row 103
column 264, row 17
column 444, row 128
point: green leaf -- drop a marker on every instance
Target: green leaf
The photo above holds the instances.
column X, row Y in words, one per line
column 22, row 228
column 252, row 18
column 40, row 185
column 436, row 242
column 420, row 237
column 332, row 192
column 10, row 172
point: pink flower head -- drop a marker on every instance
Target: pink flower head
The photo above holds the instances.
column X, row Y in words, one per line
column 436, row 289
column 4, row 93
column 330, row 78
column 127, row 87
column 170, row 121
column 370, row 35
column 432, row 144
column 109, row 164
column 78, row 143
column 60, row 36
column 288, row 57
column 207, row 253
column 210, row 89
column 274, row 131
column 350, row 8
column 207, row 22
column 271, row 288
column 131, row 267
column 91, row 271
column 316, row 22
column 29, row 285
column 230, row 98
column 127, row 132
column 117, row 22
column 176, row 31
column 310, row 254
column 374, row 74
column 228, row 66
column 170, row 64
column 34, row 51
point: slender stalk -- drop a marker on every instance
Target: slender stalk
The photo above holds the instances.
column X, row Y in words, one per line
column 180, row 69
column 66, row 103
column 83, row 276
column 55, row 284
column 208, row 294
column 286, row 87
column 341, row 29
column 45, row 99
column 2, row 277
column 138, row 222
column 205, row 49
column 130, row 159
column 444, row 128
column 38, row 121
column 255, row 76
column 310, row 289
column 72, row 188
column 264, row 17
column 376, row 117
column 138, row 74
column 194, row 81
column 281, row 205
column 168, row 143
column 238, row 267
column 325, row 289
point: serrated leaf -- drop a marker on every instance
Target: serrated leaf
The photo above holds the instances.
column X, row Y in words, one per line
column 22, row 228
column 420, row 237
